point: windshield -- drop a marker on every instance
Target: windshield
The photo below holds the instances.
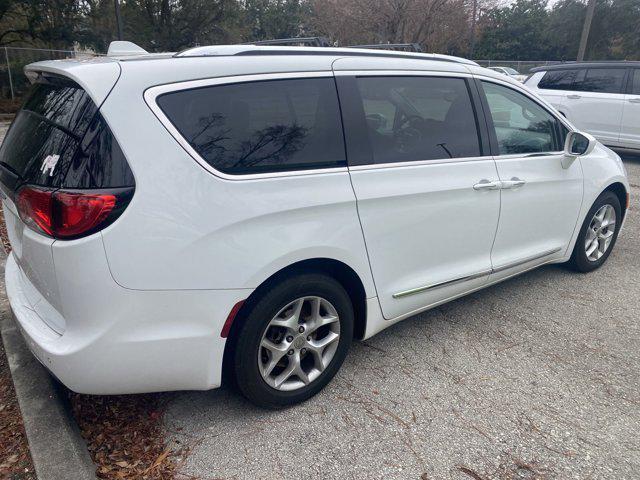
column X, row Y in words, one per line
column 511, row 71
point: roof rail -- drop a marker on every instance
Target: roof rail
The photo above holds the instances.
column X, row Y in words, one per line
column 407, row 47
column 302, row 41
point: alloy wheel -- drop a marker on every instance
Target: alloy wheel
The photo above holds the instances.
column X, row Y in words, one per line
column 600, row 233
column 299, row 343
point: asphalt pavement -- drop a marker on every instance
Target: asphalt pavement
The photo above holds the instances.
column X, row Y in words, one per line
column 536, row 377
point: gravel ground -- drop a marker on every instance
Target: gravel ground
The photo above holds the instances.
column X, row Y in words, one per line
column 537, row 377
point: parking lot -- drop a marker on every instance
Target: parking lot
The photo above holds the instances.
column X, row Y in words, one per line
column 537, row 377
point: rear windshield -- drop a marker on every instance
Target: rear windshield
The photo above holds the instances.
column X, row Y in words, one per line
column 59, row 139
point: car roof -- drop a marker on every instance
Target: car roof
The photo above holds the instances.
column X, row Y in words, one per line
column 132, row 67
column 574, row 65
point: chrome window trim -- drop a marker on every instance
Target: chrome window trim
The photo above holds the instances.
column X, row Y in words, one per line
column 400, row 73
column 527, row 156
column 418, row 163
column 152, row 93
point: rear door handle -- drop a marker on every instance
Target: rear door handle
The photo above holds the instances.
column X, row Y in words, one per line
column 515, row 182
column 485, row 184
column 634, row 100
column 574, row 97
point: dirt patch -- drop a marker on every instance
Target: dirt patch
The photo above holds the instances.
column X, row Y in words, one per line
column 125, row 436
column 15, row 459
column 4, row 238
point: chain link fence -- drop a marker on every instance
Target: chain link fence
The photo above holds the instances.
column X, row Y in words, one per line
column 13, row 82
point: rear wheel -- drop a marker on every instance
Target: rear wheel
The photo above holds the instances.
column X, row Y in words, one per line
column 293, row 340
column 598, row 234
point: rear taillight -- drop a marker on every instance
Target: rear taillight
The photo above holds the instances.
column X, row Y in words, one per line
column 70, row 214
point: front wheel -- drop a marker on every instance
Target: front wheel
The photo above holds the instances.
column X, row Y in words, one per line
column 293, row 341
column 598, row 234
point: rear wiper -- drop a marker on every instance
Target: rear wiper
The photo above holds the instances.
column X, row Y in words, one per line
column 6, row 166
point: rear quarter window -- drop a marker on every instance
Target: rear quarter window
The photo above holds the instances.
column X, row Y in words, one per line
column 59, row 139
column 261, row 127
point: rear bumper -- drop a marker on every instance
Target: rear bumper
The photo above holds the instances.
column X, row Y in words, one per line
column 130, row 341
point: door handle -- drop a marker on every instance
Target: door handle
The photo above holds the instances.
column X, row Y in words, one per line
column 485, row 184
column 634, row 100
column 515, row 182
column 574, row 97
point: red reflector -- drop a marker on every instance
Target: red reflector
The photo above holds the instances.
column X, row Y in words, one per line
column 226, row 328
column 34, row 206
column 76, row 213
column 64, row 214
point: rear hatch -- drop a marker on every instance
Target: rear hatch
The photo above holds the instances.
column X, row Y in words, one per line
column 58, row 145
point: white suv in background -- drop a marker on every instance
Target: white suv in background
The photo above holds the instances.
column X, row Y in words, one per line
column 601, row 98
column 253, row 209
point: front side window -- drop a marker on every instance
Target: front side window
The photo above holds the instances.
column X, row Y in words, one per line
column 558, row 80
column 600, row 80
column 259, row 127
column 521, row 125
column 418, row 118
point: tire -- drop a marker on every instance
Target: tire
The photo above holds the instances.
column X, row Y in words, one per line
column 277, row 306
column 580, row 261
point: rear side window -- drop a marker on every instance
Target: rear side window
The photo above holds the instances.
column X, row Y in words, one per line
column 261, row 127
column 53, row 141
column 601, row 80
column 558, row 80
column 418, row 118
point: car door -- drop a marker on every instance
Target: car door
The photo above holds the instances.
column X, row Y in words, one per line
column 540, row 199
column 630, row 126
column 425, row 185
column 595, row 105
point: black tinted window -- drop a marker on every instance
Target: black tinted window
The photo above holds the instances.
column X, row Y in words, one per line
column 601, row 80
column 558, row 80
column 418, row 118
column 99, row 161
column 261, row 126
column 59, row 139
column 521, row 125
column 635, row 87
column 45, row 133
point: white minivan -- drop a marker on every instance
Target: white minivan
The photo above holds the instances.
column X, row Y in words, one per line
column 252, row 210
column 602, row 98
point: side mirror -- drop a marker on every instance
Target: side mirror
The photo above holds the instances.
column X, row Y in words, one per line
column 576, row 145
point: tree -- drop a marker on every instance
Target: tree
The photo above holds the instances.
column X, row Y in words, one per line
column 515, row 32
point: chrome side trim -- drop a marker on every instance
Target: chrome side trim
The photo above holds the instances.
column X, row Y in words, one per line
column 401, row 73
column 152, row 93
column 474, row 276
column 538, row 256
column 413, row 291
